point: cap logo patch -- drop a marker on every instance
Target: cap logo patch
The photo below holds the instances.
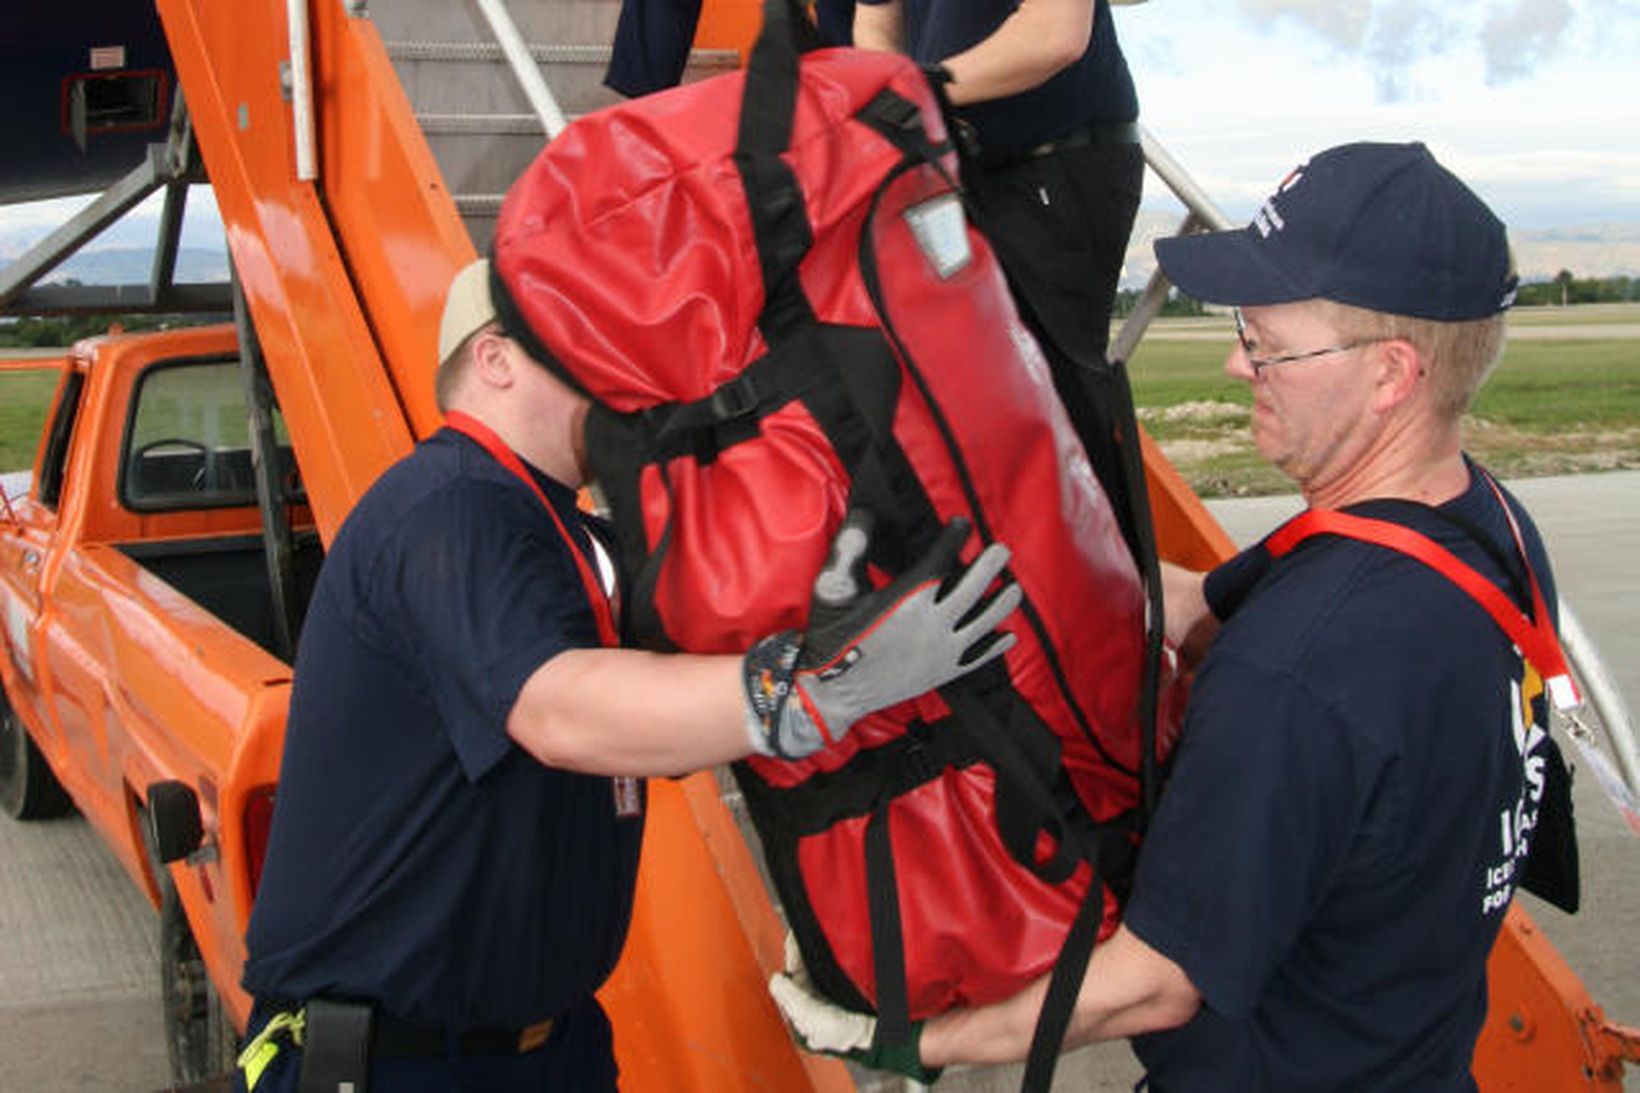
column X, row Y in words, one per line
column 1267, row 219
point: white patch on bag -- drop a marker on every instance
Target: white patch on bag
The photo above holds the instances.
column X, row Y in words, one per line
column 942, row 233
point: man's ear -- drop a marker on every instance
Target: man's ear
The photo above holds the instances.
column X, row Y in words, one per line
column 492, row 364
column 1400, row 367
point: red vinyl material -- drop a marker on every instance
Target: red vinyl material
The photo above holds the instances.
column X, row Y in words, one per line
column 628, row 249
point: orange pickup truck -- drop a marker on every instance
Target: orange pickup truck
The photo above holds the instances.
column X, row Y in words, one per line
column 144, row 651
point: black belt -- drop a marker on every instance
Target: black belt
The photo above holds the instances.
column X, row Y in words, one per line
column 393, row 1038
column 1100, row 133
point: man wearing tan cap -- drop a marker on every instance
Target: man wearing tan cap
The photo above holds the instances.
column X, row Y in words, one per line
column 450, row 871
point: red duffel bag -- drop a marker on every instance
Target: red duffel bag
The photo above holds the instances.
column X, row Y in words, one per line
column 782, row 320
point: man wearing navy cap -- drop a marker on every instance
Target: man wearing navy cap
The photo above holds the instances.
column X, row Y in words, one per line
column 1363, row 763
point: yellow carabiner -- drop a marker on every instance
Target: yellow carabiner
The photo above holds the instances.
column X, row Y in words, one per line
column 265, row 1046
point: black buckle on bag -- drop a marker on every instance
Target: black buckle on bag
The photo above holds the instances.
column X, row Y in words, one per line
column 736, row 399
column 734, row 408
column 918, row 764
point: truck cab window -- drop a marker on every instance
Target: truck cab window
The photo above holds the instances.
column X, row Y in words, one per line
column 187, row 442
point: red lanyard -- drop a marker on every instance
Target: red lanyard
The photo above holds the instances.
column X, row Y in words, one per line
column 1535, row 637
column 486, row 438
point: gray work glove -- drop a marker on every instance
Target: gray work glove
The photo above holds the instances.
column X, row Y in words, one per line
column 867, row 649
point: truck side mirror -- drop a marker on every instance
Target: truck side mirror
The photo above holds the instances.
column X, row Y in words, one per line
column 174, row 821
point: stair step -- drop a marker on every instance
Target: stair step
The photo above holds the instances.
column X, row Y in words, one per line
column 474, row 77
column 483, row 154
column 457, row 20
column 479, row 204
column 476, row 118
column 469, row 124
column 425, row 50
column 479, row 213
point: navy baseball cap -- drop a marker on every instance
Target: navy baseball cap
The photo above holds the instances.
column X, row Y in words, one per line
column 1377, row 226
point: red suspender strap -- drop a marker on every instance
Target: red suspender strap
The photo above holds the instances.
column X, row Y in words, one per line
column 486, row 438
column 1535, row 637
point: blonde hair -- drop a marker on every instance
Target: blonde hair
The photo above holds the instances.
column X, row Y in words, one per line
column 1458, row 356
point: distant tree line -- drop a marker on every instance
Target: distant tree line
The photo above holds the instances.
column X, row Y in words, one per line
column 1177, row 305
column 1564, row 289
column 34, row 332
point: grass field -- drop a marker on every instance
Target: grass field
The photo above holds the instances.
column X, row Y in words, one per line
column 24, row 399
column 1565, row 398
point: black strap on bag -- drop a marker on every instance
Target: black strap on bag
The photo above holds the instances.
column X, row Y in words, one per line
column 773, row 195
column 1131, row 457
column 906, row 131
column 848, row 380
column 1125, row 483
column 768, row 109
column 884, row 115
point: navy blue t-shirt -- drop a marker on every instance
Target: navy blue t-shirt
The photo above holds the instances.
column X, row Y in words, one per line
column 1349, row 812
column 419, row 858
column 1098, row 88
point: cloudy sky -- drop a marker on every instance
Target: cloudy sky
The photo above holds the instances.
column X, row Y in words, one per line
column 1536, row 103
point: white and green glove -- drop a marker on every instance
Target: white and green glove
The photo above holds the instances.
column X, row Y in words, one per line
column 867, row 649
column 825, row 1027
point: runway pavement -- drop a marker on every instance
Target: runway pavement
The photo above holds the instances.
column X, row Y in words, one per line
column 78, row 949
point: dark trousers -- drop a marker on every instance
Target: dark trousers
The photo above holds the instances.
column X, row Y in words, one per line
column 578, row 1057
column 1060, row 224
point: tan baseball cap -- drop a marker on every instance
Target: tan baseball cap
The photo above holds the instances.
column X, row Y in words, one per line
column 467, row 308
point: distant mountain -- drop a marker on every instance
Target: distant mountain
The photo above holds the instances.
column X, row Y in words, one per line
column 132, row 265
column 1589, row 250
column 1597, row 250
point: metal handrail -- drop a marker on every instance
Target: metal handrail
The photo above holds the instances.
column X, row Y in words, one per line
column 1202, row 215
column 301, row 92
column 1603, row 697
column 523, row 65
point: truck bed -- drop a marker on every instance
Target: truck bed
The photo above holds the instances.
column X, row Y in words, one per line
column 228, row 576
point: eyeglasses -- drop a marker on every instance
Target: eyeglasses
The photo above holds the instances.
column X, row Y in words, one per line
column 1261, row 363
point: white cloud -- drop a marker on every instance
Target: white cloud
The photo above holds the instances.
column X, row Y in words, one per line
column 1536, row 103
column 1517, row 38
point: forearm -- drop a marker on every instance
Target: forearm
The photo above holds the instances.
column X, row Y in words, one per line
column 1191, row 625
column 1036, row 42
column 880, row 27
column 1129, row 989
column 623, row 711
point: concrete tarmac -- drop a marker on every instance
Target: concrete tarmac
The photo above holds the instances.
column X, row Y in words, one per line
column 79, row 996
